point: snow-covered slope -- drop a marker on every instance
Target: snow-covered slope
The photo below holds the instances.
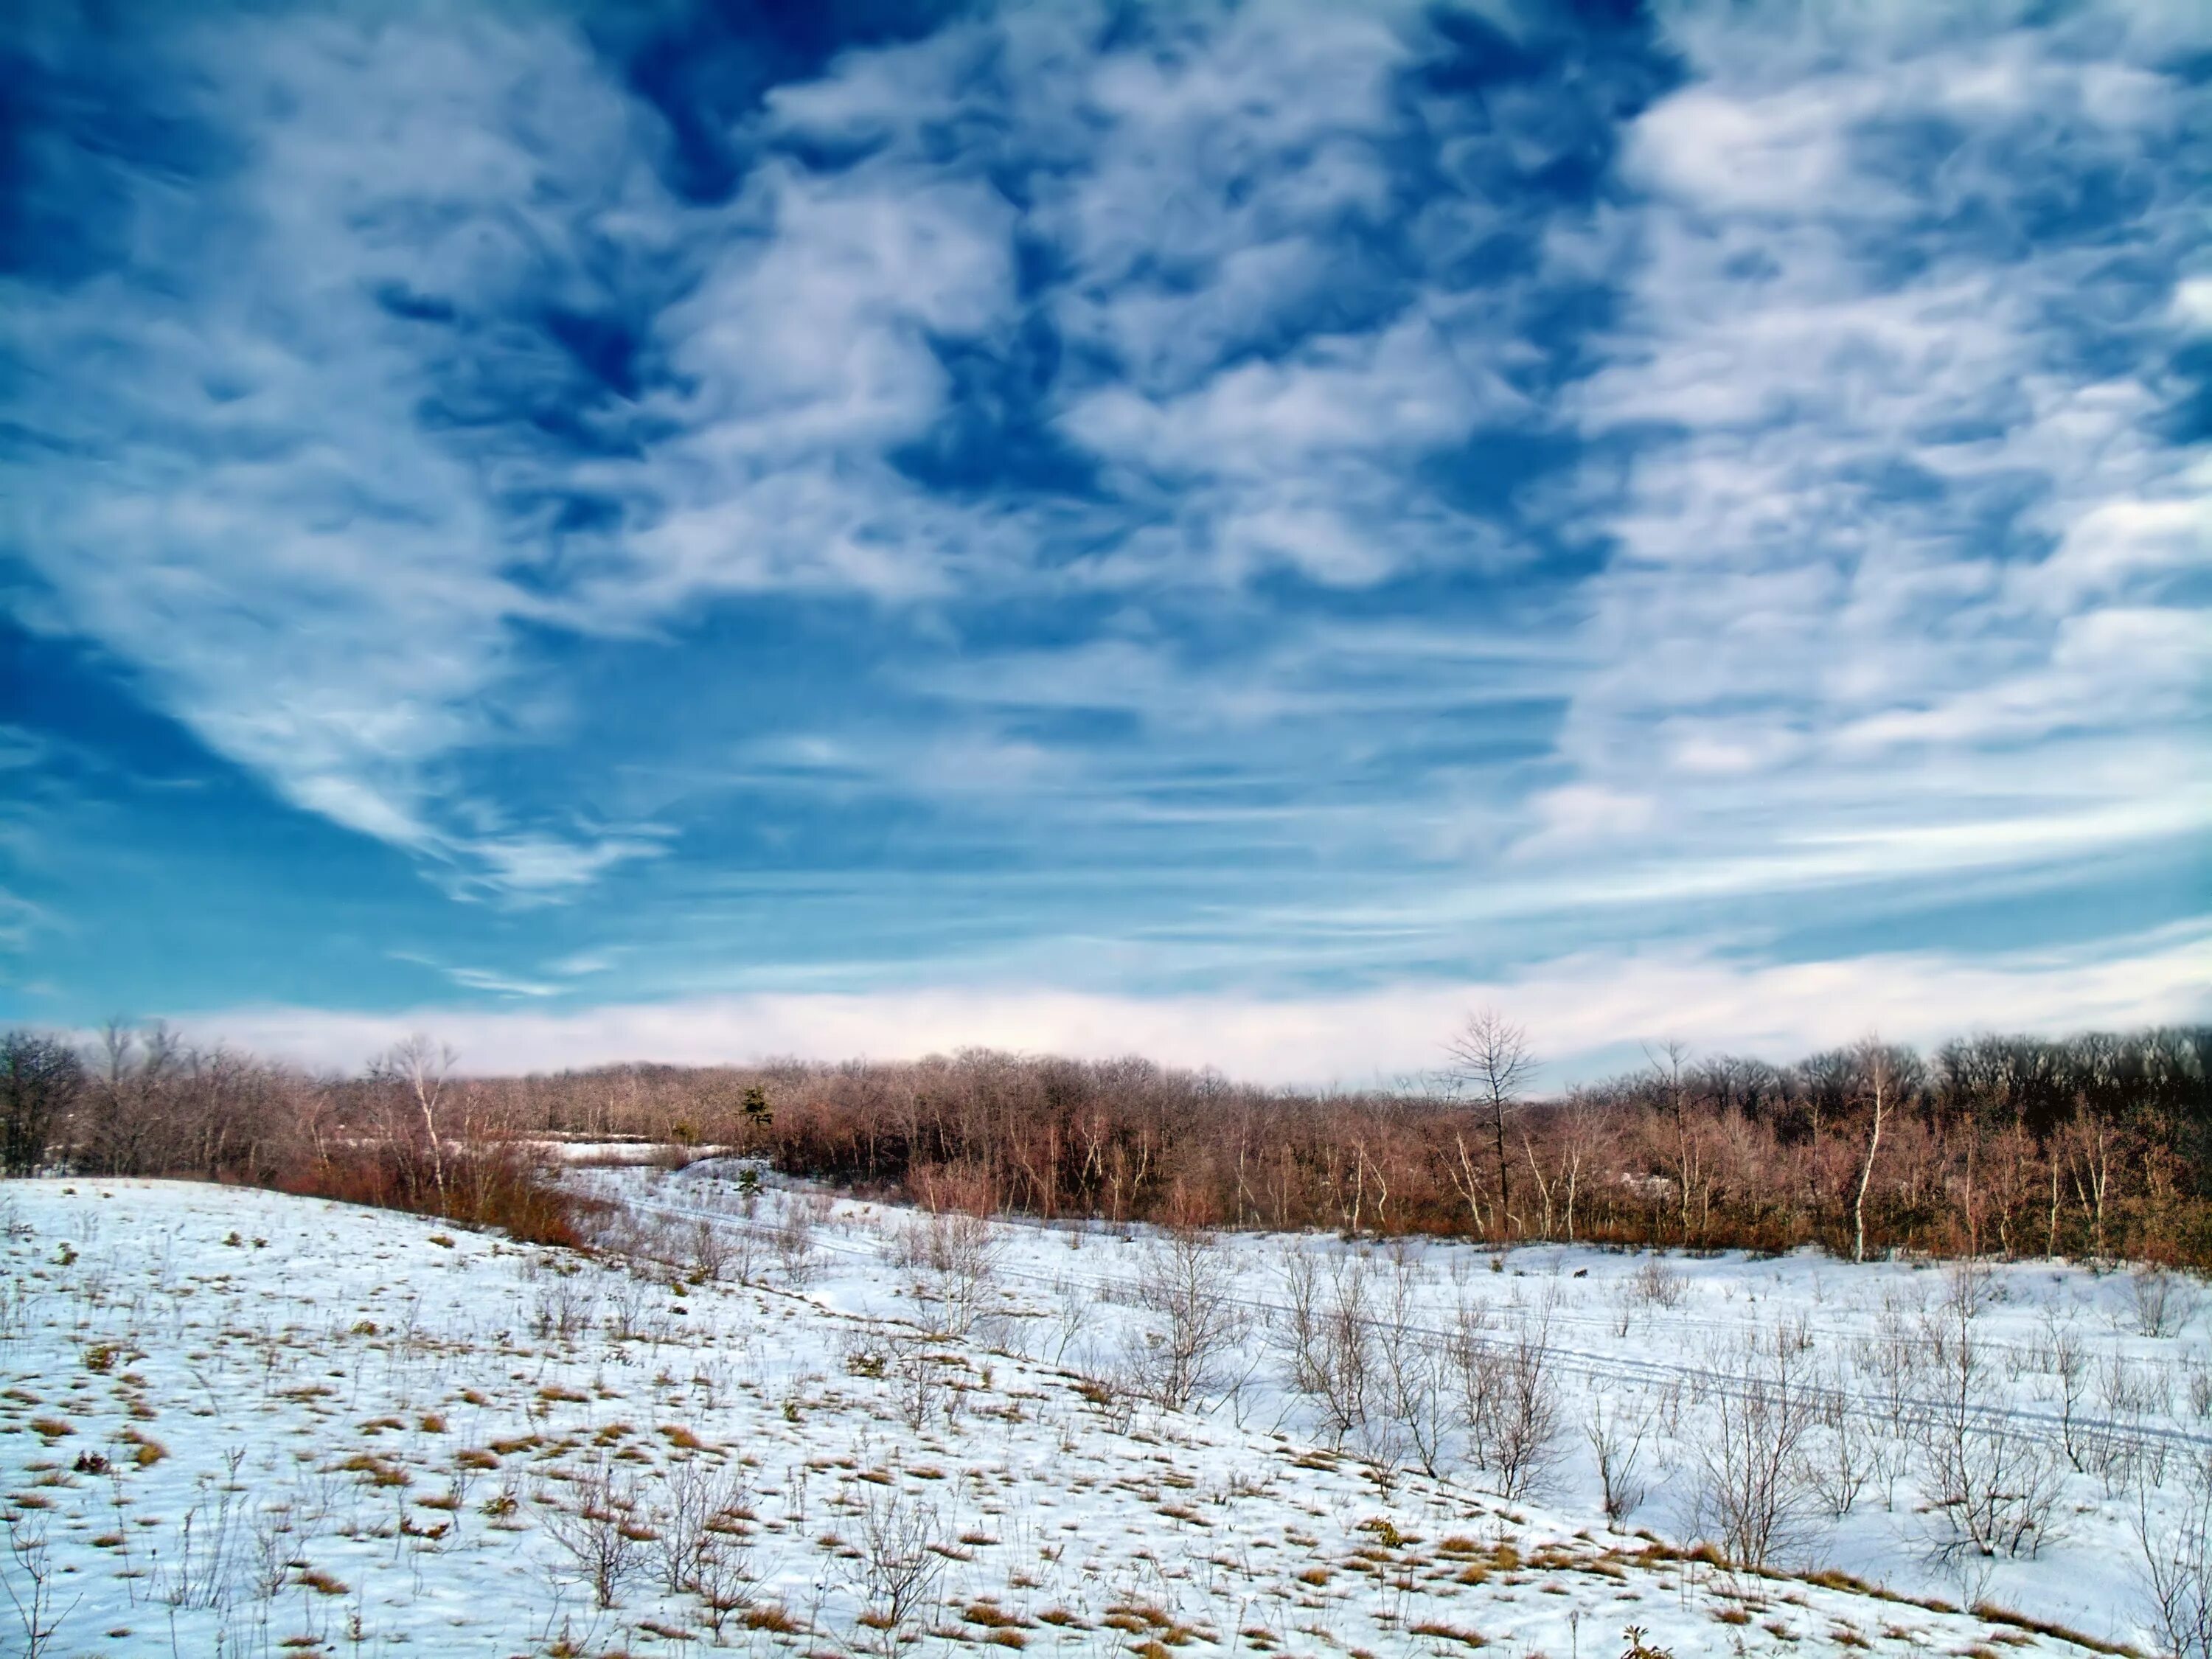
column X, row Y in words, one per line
column 238, row 1423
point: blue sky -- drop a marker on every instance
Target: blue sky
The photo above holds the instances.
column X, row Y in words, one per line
column 701, row 529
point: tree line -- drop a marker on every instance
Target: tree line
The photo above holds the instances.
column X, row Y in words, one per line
column 2096, row 1146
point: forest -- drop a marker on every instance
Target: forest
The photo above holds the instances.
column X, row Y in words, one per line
column 2097, row 1146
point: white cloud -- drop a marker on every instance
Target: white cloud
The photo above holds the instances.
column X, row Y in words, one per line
column 288, row 437
column 1893, row 535
column 240, row 492
column 2192, row 304
column 236, row 495
column 1579, row 816
column 1897, row 553
column 1580, row 1010
column 1216, row 179
column 1775, row 152
column 2115, row 542
column 806, row 352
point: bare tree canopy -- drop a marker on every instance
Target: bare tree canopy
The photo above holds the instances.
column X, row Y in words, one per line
column 2010, row 1145
column 1491, row 1062
column 1491, row 1059
column 422, row 1066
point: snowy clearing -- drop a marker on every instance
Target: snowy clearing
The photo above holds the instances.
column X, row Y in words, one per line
column 237, row 1423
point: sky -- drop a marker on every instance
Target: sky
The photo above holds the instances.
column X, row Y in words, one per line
column 1240, row 533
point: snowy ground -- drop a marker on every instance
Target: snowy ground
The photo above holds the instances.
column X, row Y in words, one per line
column 235, row 1423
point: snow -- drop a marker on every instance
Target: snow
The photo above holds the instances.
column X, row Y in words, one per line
column 373, row 1432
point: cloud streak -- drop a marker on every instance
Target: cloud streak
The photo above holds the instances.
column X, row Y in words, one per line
column 1273, row 499
column 1591, row 1010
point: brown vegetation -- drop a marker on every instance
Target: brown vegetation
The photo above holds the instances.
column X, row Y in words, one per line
column 2100, row 1145
column 143, row 1103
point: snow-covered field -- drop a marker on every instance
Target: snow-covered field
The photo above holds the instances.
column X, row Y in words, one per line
column 236, row 1422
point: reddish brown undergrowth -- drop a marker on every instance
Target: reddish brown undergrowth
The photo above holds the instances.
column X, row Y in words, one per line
column 499, row 1187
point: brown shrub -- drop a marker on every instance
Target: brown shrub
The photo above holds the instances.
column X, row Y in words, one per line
column 497, row 1186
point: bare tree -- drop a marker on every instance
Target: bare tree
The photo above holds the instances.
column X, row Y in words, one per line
column 1880, row 1073
column 423, row 1068
column 1490, row 1062
column 1669, row 1061
column 124, row 1129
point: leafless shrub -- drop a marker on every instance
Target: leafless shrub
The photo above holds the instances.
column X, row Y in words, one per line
column 599, row 1528
column 28, row 1580
column 208, row 1553
column 1071, row 1313
column 691, row 1501
column 1411, row 1394
column 273, row 1548
column 955, row 1256
column 1627, row 1302
column 1509, row 1401
column 16, row 1301
column 723, row 1577
column 625, row 1305
column 918, row 1367
column 1844, row 1451
column 2161, row 1302
column 2177, row 1569
column 1754, row 1496
column 1617, row 1432
column 1969, row 1287
column 2128, row 1390
column 1323, row 1334
column 1180, row 1356
column 1993, row 1484
column 2117, row 1449
column 1887, row 1366
column 747, row 1244
column 563, row 1307
column 900, row 1559
column 2200, row 1387
column 794, row 1243
column 1657, row 1282
column 707, row 1252
column 2062, row 1358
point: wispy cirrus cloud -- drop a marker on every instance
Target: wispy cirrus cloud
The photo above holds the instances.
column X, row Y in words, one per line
column 421, row 358
column 1905, row 520
column 1279, row 495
